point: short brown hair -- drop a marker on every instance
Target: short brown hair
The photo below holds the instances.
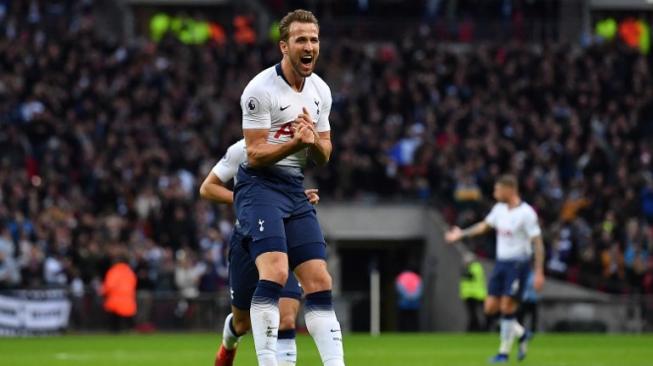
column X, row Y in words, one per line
column 299, row 15
column 508, row 180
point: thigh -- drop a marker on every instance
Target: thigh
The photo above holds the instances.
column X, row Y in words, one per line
column 264, row 228
column 261, row 211
column 496, row 281
column 304, row 238
column 243, row 275
column 515, row 280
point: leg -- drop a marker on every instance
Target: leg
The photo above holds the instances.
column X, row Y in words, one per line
column 321, row 319
column 491, row 305
column 469, row 306
column 496, row 289
column 265, row 241
column 286, row 346
column 533, row 312
column 472, row 314
column 236, row 325
column 264, row 312
column 510, row 328
column 307, row 255
column 243, row 278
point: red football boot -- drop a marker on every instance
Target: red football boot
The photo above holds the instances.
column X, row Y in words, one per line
column 225, row 357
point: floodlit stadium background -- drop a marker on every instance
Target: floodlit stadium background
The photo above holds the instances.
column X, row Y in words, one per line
column 112, row 113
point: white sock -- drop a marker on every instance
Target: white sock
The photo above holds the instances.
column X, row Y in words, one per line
column 229, row 338
column 507, row 335
column 264, row 315
column 323, row 326
column 518, row 329
column 286, row 352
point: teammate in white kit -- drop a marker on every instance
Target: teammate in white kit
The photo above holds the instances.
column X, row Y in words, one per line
column 242, row 270
column 518, row 232
column 286, row 121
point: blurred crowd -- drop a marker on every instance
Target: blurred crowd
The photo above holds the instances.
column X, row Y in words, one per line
column 103, row 145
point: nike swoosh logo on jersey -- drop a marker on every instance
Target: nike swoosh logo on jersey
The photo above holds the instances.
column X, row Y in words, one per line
column 284, row 108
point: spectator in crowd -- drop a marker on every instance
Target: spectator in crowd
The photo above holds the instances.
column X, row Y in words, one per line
column 9, row 273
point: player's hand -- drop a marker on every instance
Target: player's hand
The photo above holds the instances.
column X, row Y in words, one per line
column 538, row 281
column 304, row 135
column 305, row 118
column 312, row 196
column 453, row 235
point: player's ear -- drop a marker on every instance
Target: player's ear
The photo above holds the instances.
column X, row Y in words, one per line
column 283, row 46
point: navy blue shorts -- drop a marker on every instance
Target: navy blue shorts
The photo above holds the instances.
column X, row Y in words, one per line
column 509, row 278
column 243, row 276
column 275, row 215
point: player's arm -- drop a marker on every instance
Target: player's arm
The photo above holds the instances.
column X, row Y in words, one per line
column 539, row 254
column 321, row 150
column 260, row 153
column 455, row 233
column 214, row 189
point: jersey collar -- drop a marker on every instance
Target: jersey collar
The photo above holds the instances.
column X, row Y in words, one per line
column 277, row 67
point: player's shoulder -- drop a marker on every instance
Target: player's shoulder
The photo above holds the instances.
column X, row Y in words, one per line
column 261, row 82
column 527, row 209
column 500, row 206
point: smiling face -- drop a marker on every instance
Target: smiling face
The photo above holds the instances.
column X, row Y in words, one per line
column 302, row 47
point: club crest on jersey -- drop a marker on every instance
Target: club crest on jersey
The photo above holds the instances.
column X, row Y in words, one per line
column 252, row 106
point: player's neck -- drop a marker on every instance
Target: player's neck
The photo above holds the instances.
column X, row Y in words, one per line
column 296, row 81
column 514, row 201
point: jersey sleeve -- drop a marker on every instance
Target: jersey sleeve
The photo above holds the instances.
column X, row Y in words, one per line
column 492, row 217
column 323, row 124
column 227, row 167
column 532, row 226
column 255, row 104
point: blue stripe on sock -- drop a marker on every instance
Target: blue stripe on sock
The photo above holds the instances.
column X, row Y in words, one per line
column 319, row 301
column 267, row 292
column 287, row 334
column 508, row 316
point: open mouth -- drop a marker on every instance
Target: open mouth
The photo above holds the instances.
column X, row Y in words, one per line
column 306, row 59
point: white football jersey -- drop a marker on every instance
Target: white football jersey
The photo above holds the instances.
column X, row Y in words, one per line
column 515, row 229
column 269, row 102
column 227, row 167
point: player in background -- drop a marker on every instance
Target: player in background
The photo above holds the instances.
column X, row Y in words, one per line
column 518, row 233
column 243, row 275
column 285, row 121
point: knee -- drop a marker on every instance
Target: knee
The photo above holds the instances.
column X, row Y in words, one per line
column 274, row 270
column 276, row 275
column 319, row 282
column 287, row 321
column 508, row 309
column 490, row 308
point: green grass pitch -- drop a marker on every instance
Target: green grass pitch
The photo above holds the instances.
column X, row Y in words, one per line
column 361, row 350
